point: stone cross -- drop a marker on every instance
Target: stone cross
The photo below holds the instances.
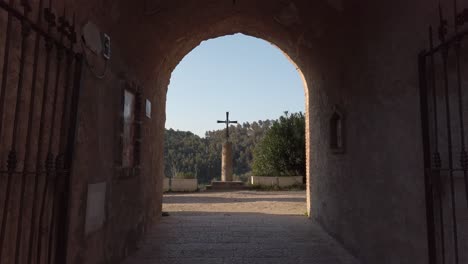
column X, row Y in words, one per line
column 227, row 122
column 226, row 161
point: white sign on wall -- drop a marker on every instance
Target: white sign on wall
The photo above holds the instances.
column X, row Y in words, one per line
column 95, row 207
column 148, row 108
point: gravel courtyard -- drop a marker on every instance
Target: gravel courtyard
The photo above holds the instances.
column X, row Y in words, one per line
column 276, row 203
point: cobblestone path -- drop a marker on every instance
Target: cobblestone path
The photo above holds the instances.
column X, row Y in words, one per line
column 189, row 236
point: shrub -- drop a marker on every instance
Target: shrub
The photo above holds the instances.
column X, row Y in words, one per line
column 185, row 175
column 282, row 150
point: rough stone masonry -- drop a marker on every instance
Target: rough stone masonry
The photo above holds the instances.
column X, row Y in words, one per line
column 226, row 162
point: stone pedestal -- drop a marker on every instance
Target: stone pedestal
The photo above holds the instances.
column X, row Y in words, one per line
column 226, row 167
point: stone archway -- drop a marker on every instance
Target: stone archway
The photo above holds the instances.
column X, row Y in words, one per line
column 164, row 35
column 306, row 94
column 283, row 29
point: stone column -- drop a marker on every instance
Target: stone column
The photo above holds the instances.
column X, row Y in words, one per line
column 226, row 166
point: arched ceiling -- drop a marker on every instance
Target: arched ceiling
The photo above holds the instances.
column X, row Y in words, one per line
column 154, row 35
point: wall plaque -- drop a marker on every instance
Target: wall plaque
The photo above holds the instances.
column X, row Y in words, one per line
column 95, row 207
column 148, row 108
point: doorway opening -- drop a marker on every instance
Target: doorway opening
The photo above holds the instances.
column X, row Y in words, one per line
column 260, row 87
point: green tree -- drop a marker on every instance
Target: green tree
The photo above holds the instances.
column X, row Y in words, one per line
column 282, row 150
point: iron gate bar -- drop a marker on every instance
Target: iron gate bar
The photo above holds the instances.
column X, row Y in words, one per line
column 49, row 46
column 19, row 92
column 437, row 159
column 60, row 161
column 67, row 87
column 25, row 34
column 29, row 131
column 51, row 158
column 52, row 176
column 6, row 58
column 62, row 244
column 55, row 183
column 463, row 154
column 427, row 160
column 444, row 54
column 49, row 163
column 32, row 106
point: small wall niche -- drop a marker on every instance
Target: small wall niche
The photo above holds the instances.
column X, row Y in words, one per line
column 337, row 131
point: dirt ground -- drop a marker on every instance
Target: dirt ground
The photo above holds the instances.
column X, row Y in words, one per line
column 277, row 203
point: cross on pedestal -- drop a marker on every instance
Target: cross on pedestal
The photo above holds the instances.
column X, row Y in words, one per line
column 227, row 122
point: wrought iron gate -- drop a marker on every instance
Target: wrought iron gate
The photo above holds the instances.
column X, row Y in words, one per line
column 443, row 72
column 40, row 79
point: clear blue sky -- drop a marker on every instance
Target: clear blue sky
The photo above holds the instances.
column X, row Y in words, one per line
column 246, row 76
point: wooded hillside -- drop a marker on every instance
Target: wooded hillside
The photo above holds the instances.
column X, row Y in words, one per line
column 186, row 153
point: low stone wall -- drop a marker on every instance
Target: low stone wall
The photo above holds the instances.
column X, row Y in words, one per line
column 181, row 185
column 278, row 181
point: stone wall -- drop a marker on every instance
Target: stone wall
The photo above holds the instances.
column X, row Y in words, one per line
column 372, row 197
column 180, row 185
column 133, row 200
column 276, row 181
